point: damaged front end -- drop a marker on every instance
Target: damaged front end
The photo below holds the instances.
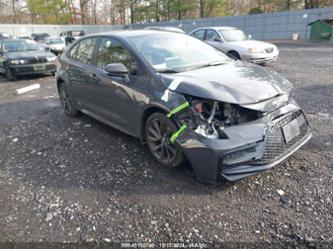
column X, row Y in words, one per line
column 234, row 141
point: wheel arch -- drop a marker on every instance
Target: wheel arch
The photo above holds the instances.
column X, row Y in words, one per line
column 232, row 51
column 145, row 115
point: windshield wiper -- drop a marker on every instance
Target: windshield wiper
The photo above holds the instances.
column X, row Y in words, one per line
column 210, row 64
column 167, row 71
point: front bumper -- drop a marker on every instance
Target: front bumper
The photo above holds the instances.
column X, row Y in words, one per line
column 251, row 147
column 30, row 69
column 261, row 58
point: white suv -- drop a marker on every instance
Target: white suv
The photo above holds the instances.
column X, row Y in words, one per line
column 237, row 44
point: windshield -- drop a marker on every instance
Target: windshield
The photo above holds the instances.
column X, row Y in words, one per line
column 176, row 52
column 233, row 35
column 19, row 45
column 55, row 41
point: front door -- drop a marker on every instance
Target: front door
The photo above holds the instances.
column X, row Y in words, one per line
column 214, row 39
column 118, row 98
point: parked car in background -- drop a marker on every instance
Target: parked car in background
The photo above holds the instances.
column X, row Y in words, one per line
column 39, row 37
column 237, row 44
column 24, row 57
column 5, row 36
column 56, row 45
column 184, row 99
column 170, row 29
column 71, row 35
column 25, row 38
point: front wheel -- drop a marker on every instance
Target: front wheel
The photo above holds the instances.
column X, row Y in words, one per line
column 9, row 75
column 158, row 131
column 234, row 55
column 66, row 101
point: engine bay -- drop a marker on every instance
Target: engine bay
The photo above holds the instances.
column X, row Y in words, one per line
column 209, row 118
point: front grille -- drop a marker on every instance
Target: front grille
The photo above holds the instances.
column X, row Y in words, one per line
column 36, row 60
column 269, row 50
column 275, row 144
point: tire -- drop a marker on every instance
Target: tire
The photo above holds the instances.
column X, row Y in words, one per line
column 9, row 75
column 234, row 55
column 158, row 130
column 66, row 101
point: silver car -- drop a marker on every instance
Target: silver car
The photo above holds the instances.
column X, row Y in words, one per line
column 55, row 44
column 237, row 44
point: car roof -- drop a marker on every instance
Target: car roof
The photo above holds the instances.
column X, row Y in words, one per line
column 166, row 28
column 132, row 33
column 216, row 28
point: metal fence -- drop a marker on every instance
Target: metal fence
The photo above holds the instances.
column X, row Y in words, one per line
column 28, row 29
column 267, row 26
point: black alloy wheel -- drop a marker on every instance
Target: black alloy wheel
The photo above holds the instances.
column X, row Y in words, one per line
column 66, row 101
column 158, row 132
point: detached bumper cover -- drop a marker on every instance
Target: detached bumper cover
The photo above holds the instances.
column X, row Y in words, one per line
column 33, row 68
column 251, row 147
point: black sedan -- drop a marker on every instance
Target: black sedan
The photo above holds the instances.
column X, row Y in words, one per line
column 185, row 100
column 24, row 57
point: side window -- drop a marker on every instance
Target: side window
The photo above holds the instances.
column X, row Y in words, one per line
column 72, row 53
column 211, row 35
column 112, row 51
column 199, row 34
column 86, row 50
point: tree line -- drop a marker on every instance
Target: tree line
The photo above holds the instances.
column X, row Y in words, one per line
column 138, row 11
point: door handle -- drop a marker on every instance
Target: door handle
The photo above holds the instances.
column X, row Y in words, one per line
column 93, row 75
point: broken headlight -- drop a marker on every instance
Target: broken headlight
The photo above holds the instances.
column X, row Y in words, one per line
column 209, row 118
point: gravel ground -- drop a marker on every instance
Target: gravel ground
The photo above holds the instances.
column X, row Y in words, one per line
column 65, row 179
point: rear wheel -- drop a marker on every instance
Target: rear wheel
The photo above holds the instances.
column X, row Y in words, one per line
column 234, row 55
column 66, row 101
column 158, row 131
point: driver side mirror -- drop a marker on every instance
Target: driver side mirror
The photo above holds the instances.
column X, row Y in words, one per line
column 249, row 36
column 117, row 69
column 217, row 39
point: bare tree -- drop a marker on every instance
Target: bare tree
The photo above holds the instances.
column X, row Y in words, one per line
column 83, row 11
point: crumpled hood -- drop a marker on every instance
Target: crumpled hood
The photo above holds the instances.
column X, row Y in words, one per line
column 252, row 44
column 28, row 54
column 235, row 82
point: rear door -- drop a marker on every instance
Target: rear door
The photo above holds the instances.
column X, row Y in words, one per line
column 82, row 72
column 2, row 59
